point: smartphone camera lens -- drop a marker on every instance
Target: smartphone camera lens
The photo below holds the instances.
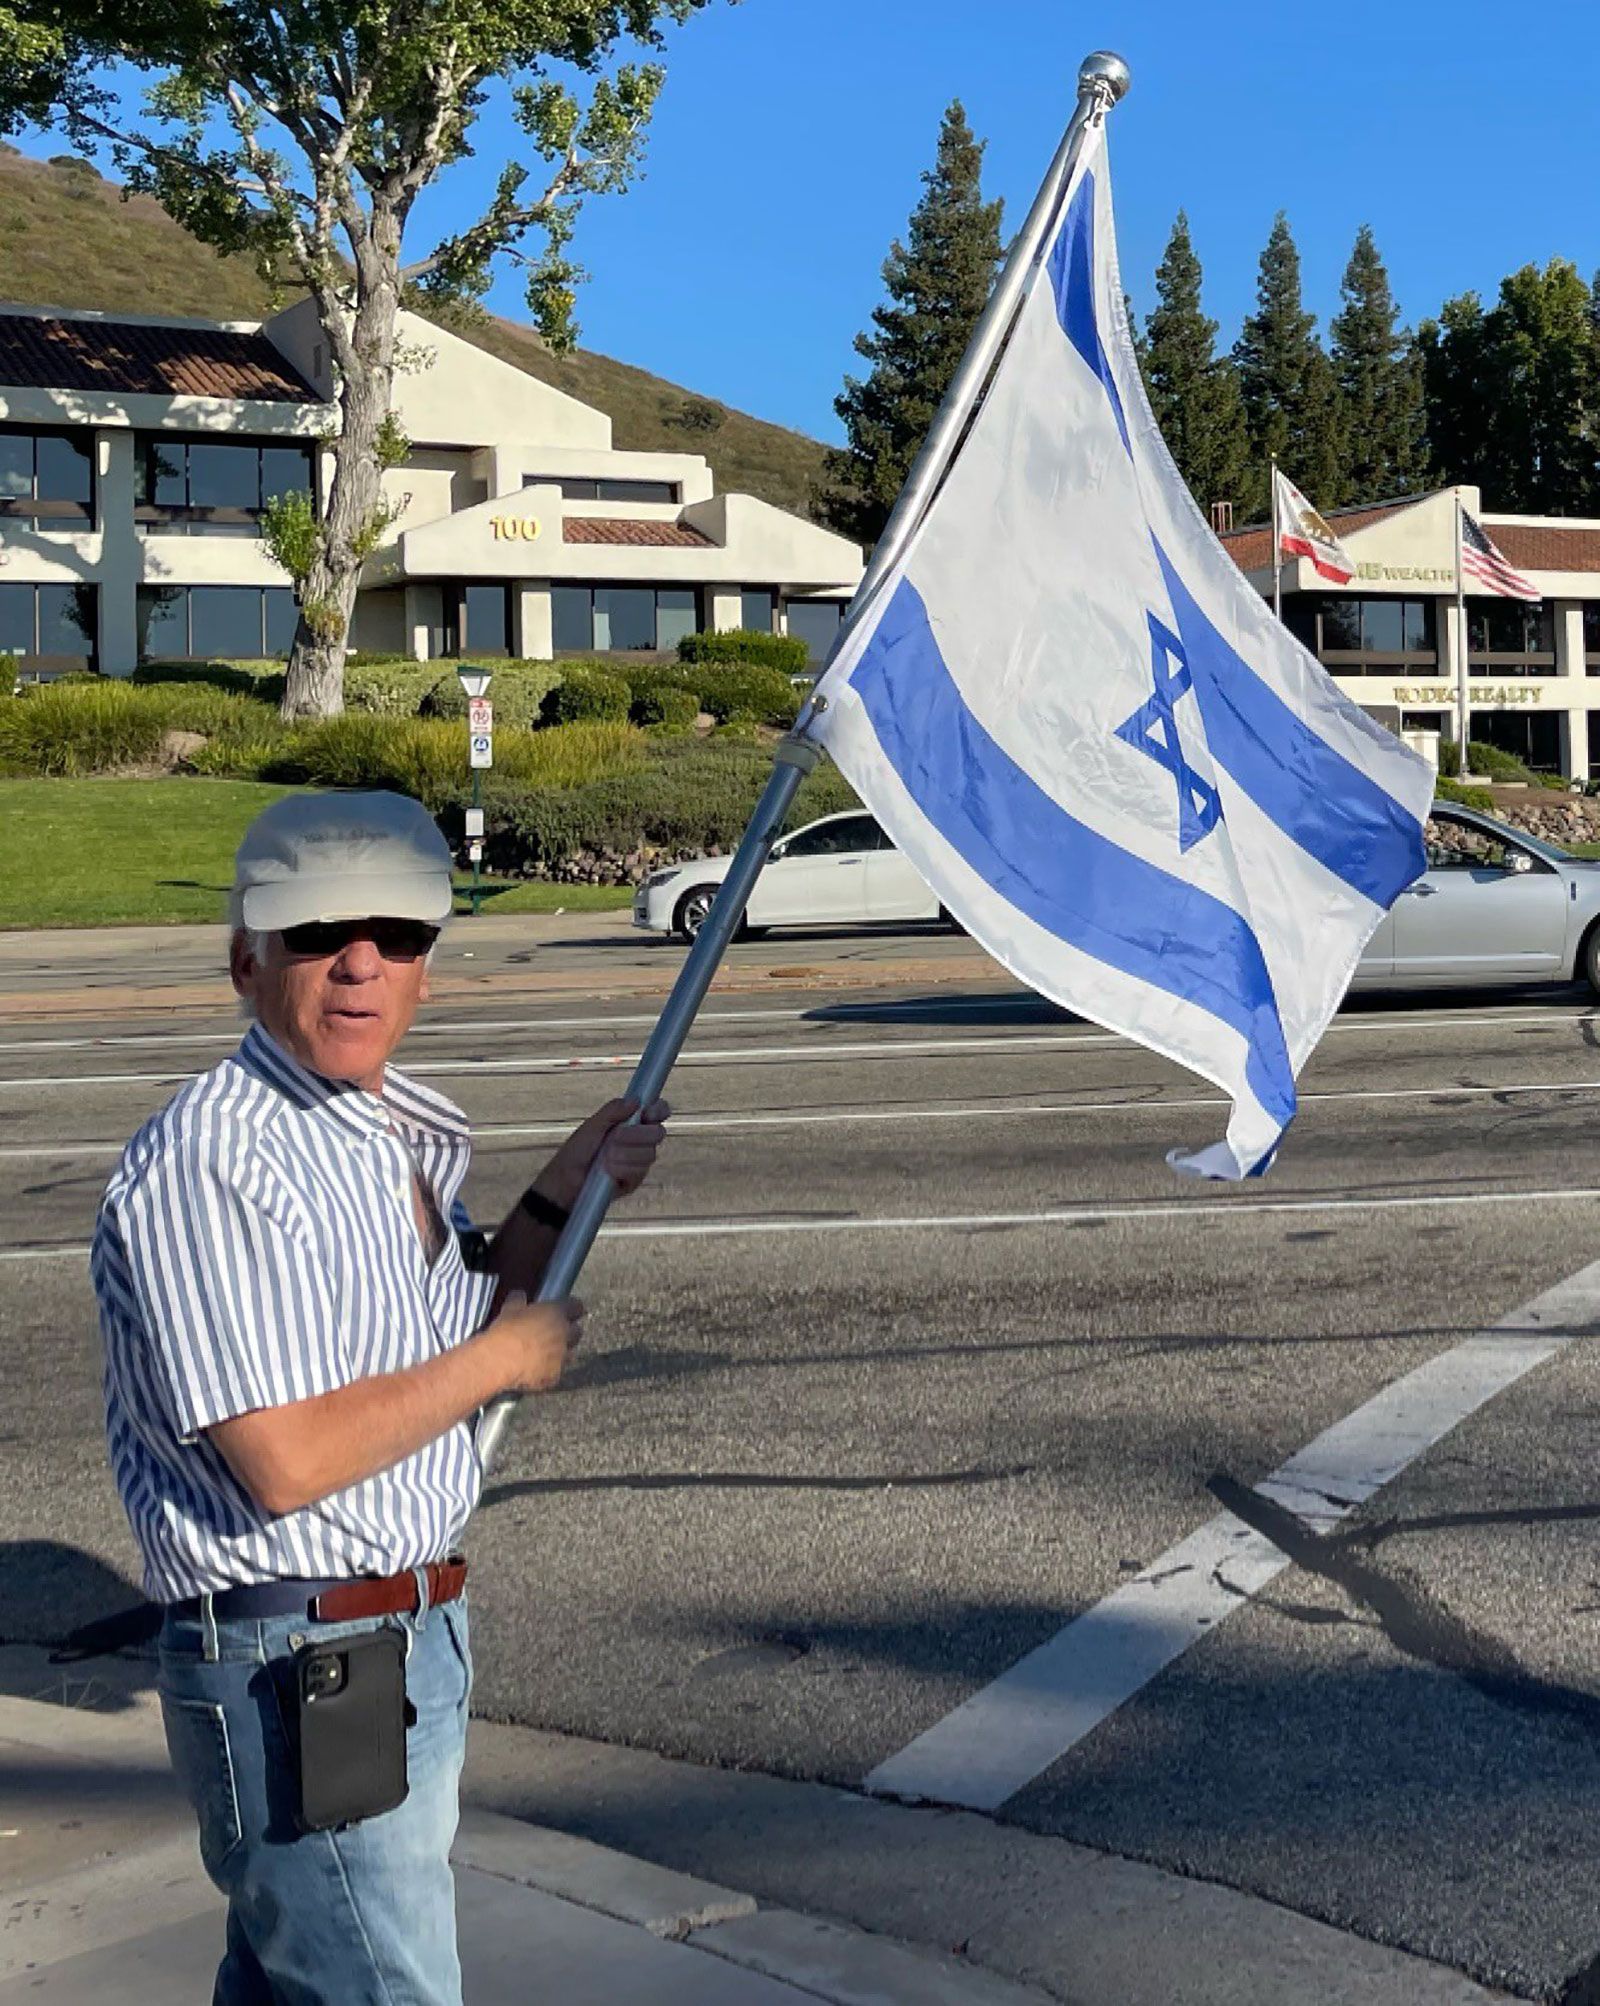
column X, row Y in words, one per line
column 324, row 1677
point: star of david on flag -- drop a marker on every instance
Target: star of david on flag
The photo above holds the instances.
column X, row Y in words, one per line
column 1154, row 729
column 1073, row 714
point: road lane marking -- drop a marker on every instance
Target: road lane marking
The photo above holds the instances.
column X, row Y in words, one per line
column 467, row 1027
column 858, row 1016
column 984, row 1222
column 1013, row 1729
column 816, row 1051
column 848, row 1117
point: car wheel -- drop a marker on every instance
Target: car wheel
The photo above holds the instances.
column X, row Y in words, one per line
column 1589, row 959
column 693, row 909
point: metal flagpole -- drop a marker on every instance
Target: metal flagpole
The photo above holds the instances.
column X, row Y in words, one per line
column 1277, row 549
column 1102, row 82
column 1462, row 714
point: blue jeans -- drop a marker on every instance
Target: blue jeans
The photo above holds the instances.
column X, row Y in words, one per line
column 363, row 1916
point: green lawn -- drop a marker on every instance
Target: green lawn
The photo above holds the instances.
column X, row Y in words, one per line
column 160, row 852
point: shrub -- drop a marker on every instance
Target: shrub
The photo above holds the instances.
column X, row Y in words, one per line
column 586, row 695
column 664, row 705
column 517, row 691
column 391, row 686
column 744, row 693
column 1488, row 759
column 202, row 707
column 263, row 680
column 1466, row 797
column 427, row 757
column 80, row 728
column 784, row 652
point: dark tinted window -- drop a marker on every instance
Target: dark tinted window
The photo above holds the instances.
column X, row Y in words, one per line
column 16, row 466
column 66, row 620
column 483, row 610
column 66, row 472
column 816, row 622
column 282, row 617
column 1382, row 628
column 1591, row 630
column 163, row 617
column 1417, row 623
column 755, row 610
column 624, row 617
column 285, row 470
column 16, row 619
column 224, row 477
column 225, row 620
column 571, row 619
column 854, row 832
column 677, row 614
column 1341, row 624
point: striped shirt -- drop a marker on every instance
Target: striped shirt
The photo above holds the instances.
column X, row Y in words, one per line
column 258, row 1244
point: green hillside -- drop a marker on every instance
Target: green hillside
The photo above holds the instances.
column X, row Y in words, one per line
column 67, row 238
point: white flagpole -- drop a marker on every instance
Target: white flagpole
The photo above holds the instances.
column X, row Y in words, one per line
column 1102, row 83
column 1462, row 713
column 1277, row 549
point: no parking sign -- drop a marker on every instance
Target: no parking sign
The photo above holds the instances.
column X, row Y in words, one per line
column 483, row 748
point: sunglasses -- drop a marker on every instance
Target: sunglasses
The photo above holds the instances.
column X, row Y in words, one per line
column 395, row 939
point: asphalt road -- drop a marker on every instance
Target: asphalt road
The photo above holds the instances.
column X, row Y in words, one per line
column 916, row 1351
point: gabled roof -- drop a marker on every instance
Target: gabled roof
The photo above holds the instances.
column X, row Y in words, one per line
column 1251, row 547
column 625, row 530
column 127, row 358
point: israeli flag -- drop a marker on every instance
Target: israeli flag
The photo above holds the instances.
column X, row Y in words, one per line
column 1075, row 717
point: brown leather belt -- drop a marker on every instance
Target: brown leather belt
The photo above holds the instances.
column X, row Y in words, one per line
column 333, row 1601
column 390, row 1594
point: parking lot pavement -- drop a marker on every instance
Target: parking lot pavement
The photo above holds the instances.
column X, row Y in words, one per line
column 916, row 1352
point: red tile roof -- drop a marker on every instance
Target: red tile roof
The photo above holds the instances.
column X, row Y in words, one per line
column 621, row 529
column 129, row 360
column 1546, row 547
column 1251, row 549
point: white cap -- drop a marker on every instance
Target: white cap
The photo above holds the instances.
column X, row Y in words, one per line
column 341, row 856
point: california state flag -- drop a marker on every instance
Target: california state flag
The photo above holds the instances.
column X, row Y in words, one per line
column 1303, row 533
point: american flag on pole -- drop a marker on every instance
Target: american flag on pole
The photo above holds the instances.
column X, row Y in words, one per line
column 1480, row 560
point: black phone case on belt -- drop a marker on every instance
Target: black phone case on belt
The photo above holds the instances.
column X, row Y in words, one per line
column 350, row 1707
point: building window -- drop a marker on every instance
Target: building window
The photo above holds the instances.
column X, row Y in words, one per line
column 622, row 619
column 215, row 622
column 1534, row 737
column 581, row 487
column 214, row 487
column 756, row 610
column 1591, row 638
column 476, row 620
column 1508, row 637
column 816, row 622
column 47, row 478
column 49, row 626
column 1356, row 637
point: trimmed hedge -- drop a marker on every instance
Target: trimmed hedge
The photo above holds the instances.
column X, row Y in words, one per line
column 664, row 705
column 586, row 695
column 517, row 689
column 785, row 652
column 1466, row 797
column 263, row 680
column 745, row 694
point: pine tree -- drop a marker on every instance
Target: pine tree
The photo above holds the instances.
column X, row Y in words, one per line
column 1379, row 377
column 938, row 282
column 1513, row 394
column 1290, row 398
column 1194, row 395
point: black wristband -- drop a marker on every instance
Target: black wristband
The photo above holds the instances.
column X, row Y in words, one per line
column 544, row 1211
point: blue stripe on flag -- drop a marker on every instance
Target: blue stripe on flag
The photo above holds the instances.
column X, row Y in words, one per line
column 1352, row 826
column 1072, row 279
column 1063, row 875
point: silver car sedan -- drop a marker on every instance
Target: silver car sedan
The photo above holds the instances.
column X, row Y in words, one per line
column 1494, row 906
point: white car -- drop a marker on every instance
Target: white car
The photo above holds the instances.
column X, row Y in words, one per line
column 841, row 871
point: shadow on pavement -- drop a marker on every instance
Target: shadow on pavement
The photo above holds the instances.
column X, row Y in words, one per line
column 50, row 1592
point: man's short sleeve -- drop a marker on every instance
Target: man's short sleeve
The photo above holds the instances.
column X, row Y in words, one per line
column 239, row 1312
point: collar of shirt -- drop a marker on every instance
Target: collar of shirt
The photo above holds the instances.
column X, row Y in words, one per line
column 404, row 1105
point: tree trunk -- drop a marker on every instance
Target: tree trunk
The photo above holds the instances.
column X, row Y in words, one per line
column 364, row 346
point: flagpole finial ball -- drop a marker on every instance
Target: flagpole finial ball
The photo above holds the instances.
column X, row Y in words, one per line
column 1107, row 70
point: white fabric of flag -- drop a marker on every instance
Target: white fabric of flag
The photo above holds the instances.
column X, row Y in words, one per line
column 1303, row 533
column 1068, row 708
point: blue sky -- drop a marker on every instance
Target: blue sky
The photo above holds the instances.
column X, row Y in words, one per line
column 787, row 147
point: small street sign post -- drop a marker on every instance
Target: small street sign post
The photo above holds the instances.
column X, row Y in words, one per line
column 480, row 757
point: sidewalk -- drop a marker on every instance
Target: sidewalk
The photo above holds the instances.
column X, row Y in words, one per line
column 152, row 974
column 102, row 1897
